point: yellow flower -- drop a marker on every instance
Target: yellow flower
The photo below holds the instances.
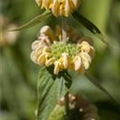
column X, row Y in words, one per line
column 48, row 51
column 59, row 7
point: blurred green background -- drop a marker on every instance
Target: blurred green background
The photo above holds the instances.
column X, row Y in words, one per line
column 18, row 75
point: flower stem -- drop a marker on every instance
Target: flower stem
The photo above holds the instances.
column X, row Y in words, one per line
column 64, row 31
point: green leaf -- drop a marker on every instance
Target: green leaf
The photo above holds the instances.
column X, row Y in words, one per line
column 90, row 26
column 34, row 21
column 50, row 89
column 98, row 85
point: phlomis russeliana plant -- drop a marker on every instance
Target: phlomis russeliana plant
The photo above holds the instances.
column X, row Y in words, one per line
column 58, row 51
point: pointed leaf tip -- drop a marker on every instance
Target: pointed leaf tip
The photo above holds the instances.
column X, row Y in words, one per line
column 34, row 21
column 91, row 27
column 98, row 85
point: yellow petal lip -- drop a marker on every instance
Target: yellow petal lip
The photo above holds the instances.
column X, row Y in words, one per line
column 67, row 8
column 41, row 59
column 55, row 8
column 86, row 60
column 44, row 40
column 47, row 31
column 77, row 63
column 76, row 3
column 38, row 50
column 38, row 2
column 48, row 3
column 65, row 60
column 84, row 47
column 33, row 57
column 46, row 49
column 86, row 55
column 57, row 68
column 50, row 61
column 35, row 44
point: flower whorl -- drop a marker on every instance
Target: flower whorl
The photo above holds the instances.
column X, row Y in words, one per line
column 48, row 50
column 59, row 7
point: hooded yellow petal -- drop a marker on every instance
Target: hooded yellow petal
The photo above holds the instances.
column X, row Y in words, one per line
column 86, row 59
column 41, row 59
column 50, row 61
column 55, row 7
column 47, row 31
column 39, row 50
column 77, row 63
column 57, row 68
column 65, row 60
column 35, row 44
column 33, row 57
column 84, row 47
column 76, row 3
column 67, row 8
column 39, row 2
column 47, row 3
